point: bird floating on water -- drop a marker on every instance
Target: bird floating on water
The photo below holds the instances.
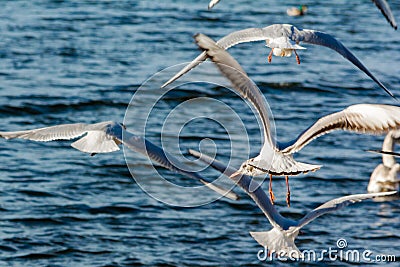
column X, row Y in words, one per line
column 280, row 239
column 385, row 176
column 283, row 39
column 276, row 158
column 105, row 137
column 297, row 11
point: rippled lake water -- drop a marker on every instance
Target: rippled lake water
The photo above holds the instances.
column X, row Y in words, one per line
column 82, row 61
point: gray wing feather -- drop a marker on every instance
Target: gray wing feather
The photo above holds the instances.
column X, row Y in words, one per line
column 361, row 118
column 324, row 39
column 199, row 59
column 162, row 157
column 234, row 38
column 95, row 140
column 59, row 132
column 231, row 69
column 386, row 11
column 337, row 204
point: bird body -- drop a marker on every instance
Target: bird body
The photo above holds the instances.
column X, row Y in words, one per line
column 95, row 141
column 283, row 39
column 385, row 176
column 276, row 158
column 284, row 232
column 104, row 137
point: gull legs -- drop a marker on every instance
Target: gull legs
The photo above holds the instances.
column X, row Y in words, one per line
column 270, row 55
column 272, row 51
column 297, row 56
column 271, row 193
column 288, row 191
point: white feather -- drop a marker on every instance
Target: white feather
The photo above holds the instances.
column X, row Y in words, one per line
column 96, row 142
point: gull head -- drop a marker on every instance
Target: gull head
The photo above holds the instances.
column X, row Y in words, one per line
column 250, row 168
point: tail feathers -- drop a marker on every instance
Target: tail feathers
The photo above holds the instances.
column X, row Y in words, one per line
column 96, row 142
column 278, row 242
column 286, row 165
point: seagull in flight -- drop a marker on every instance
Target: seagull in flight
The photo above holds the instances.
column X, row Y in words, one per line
column 280, row 239
column 105, row 137
column 381, row 4
column 385, row 176
column 283, row 39
column 277, row 158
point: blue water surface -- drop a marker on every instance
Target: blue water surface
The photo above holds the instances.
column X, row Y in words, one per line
column 82, row 61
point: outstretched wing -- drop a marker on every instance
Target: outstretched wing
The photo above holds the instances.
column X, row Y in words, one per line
column 324, row 39
column 361, row 118
column 282, row 31
column 337, row 204
column 59, row 132
column 231, row 69
column 162, row 157
column 386, row 11
column 95, row 140
column 244, row 181
column 234, row 38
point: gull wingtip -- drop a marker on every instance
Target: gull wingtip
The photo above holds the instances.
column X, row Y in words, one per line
column 194, row 152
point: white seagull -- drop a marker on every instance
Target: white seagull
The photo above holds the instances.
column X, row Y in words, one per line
column 277, row 158
column 104, row 137
column 385, row 176
column 280, row 239
column 381, row 4
column 284, row 40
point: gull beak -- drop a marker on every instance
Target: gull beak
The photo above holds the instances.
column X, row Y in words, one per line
column 383, row 152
